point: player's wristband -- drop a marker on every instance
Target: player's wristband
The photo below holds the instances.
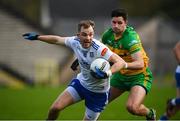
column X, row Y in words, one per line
column 126, row 65
column 109, row 73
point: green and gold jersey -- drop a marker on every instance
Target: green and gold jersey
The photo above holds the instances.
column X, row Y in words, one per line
column 128, row 44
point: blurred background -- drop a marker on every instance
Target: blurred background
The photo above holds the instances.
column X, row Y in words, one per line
column 41, row 67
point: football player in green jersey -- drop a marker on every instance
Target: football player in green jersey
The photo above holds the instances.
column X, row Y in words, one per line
column 136, row 77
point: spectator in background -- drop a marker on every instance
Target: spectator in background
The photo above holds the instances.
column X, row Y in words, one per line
column 173, row 105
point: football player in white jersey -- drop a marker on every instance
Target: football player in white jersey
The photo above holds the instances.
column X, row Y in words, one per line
column 91, row 87
column 173, row 105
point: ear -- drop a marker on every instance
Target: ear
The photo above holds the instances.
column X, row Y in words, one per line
column 126, row 21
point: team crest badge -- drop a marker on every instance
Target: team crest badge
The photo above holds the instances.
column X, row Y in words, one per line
column 91, row 54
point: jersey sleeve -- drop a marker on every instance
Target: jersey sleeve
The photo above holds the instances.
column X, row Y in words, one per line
column 104, row 52
column 133, row 44
column 69, row 41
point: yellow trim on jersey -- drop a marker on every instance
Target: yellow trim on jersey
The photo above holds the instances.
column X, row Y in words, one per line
column 134, row 48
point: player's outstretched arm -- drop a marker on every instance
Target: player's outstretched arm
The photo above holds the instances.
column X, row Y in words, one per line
column 52, row 39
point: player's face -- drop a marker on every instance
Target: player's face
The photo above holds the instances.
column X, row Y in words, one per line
column 86, row 35
column 118, row 25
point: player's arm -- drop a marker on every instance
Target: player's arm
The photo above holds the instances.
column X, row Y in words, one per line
column 52, row 39
column 118, row 63
column 138, row 62
column 176, row 51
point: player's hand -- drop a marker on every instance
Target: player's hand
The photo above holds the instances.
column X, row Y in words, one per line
column 99, row 74
column 30, row 36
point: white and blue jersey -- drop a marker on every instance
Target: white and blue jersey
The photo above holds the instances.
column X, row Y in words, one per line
column 85, row 58
column 177, row 76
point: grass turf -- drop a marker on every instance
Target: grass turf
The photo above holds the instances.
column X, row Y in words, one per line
column 33, row 103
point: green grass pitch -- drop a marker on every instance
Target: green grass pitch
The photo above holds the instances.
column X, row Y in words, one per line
column 33, row 104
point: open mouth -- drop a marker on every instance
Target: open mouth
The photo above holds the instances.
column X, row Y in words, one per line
column 86, row 44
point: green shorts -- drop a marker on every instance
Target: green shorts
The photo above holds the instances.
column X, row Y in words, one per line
column 125, row 82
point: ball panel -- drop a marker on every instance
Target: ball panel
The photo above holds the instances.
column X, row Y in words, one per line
column 100, row 63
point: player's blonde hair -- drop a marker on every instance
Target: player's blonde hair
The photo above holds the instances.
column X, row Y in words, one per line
column 85, row 24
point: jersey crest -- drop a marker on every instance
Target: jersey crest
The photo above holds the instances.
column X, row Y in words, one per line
column 91, row 54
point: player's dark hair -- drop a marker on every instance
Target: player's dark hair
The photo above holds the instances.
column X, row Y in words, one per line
column 120, row 12
column 86, row 24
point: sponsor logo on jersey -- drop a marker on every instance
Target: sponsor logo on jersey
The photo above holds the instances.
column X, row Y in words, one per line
column 133, row 42
column 84, row 64
column 104, row 51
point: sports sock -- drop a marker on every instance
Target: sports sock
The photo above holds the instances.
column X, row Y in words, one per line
column 175, row 101
column 151, row 115
column 163, row 117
